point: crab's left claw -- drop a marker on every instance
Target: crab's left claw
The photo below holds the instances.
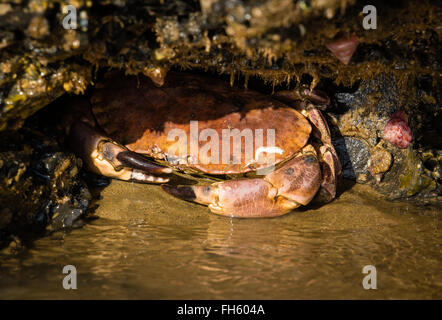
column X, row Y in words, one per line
column 104, row 156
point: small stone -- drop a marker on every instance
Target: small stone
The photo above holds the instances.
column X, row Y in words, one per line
column 379, row 163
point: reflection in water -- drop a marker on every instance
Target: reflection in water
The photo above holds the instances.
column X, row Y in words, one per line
column 141, row 249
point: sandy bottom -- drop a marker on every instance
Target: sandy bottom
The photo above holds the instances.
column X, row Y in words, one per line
column 147, row 244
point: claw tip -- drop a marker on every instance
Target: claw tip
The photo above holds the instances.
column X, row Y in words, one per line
column 185, row 193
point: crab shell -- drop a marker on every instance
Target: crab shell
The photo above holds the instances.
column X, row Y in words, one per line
column 140, row 115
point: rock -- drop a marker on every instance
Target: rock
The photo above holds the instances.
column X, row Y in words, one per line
column 353, row 154
column 360, row 118
column 39, row 186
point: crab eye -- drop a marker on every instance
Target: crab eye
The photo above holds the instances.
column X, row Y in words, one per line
column 207, row 190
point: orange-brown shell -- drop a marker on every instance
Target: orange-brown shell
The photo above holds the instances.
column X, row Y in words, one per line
column 133, row 111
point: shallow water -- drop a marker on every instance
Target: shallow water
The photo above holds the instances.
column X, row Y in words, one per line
column 147, row 244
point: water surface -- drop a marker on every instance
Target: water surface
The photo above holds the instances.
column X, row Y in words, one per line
column 149, row 245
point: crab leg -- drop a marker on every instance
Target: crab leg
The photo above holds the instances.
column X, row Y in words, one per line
column 300, row 94
column 279, row 192
column 104, row 156
column 331, row 167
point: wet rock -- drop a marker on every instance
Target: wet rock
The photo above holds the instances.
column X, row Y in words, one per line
column 353, row 154
column 379, row 163
column 39, row 186
column 360, row 118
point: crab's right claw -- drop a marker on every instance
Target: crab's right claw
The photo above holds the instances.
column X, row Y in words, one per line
column 245, row 198
column 104, row 156
column 279, row 192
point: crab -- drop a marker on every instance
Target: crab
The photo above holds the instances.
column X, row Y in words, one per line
column 123, row 130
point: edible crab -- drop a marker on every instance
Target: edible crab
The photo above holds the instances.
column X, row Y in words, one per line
column 123, row 133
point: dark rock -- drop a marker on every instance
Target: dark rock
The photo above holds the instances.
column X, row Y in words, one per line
column 353, row 154
column 39, row 186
